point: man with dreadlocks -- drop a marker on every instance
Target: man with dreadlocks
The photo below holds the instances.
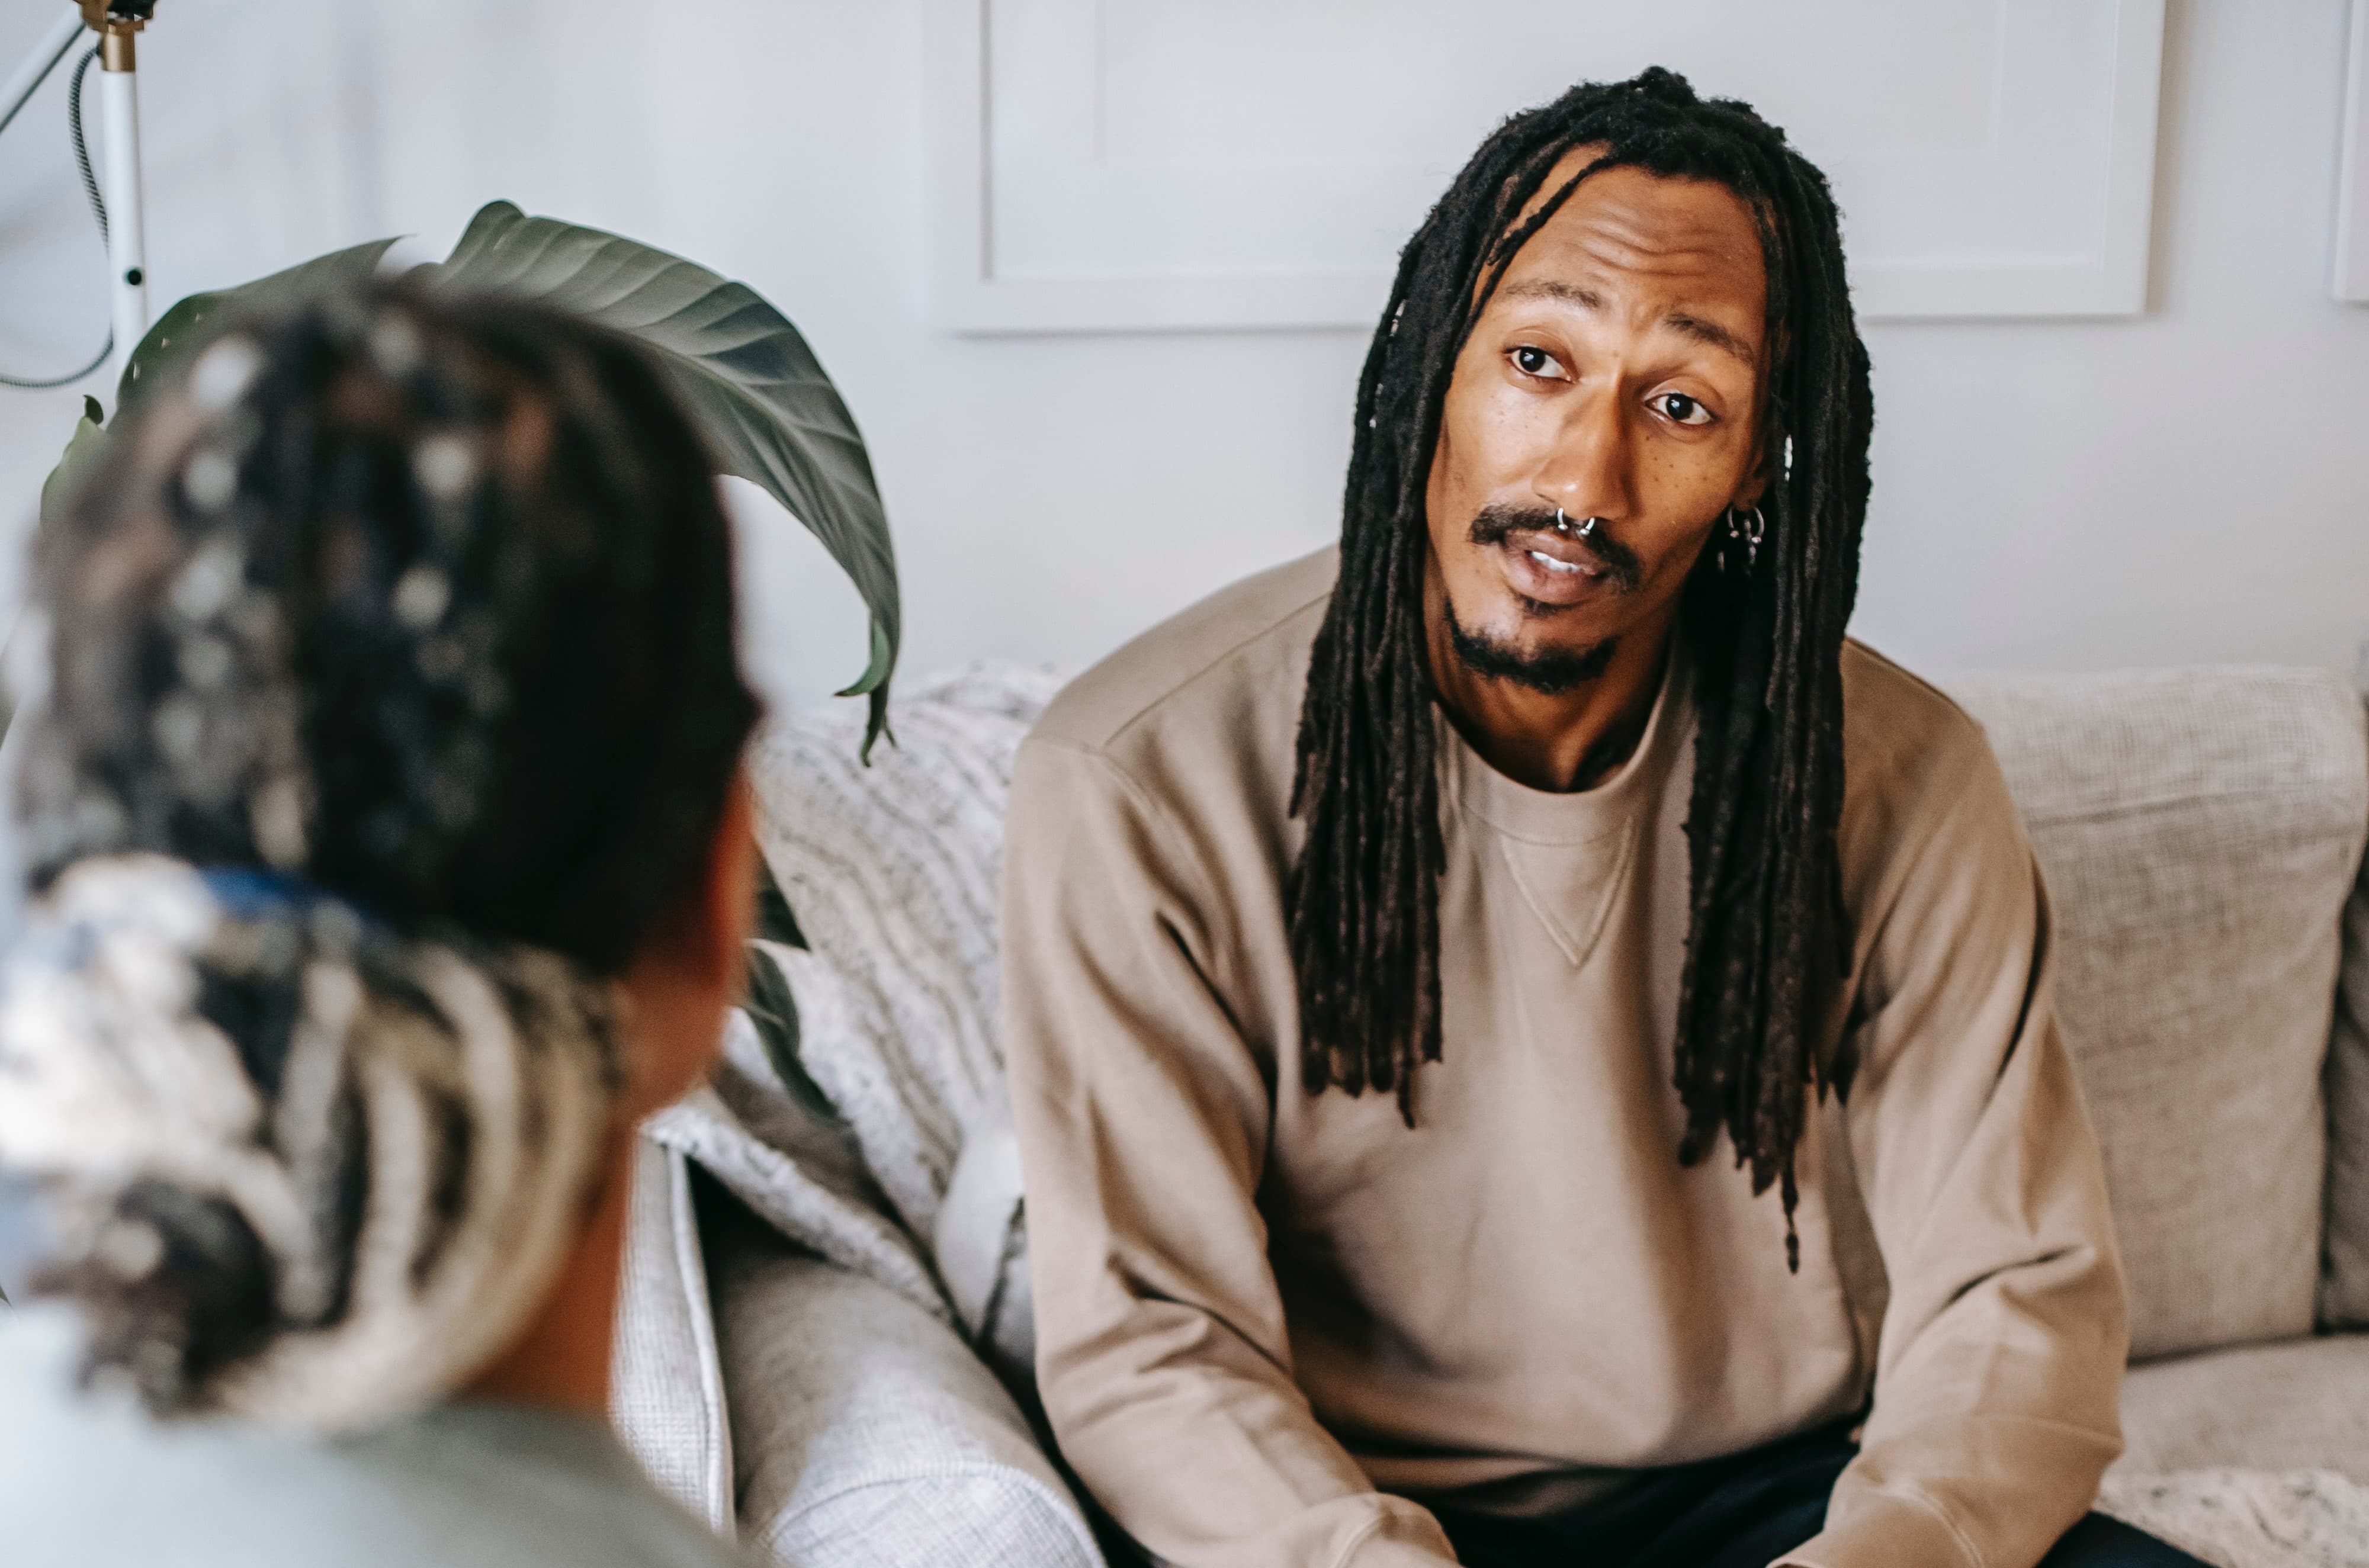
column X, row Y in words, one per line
column 1360, row 922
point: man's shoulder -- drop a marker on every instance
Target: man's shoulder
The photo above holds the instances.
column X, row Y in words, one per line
column 1212, row 668
column 1912, row 756
column 1896, row 722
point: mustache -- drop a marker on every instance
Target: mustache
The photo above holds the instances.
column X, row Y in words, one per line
column 1496, row 523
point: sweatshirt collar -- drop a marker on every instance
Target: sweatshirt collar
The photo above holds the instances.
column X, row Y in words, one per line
column 1555, row 816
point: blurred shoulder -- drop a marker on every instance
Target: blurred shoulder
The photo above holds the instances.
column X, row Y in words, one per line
column 458, row 1487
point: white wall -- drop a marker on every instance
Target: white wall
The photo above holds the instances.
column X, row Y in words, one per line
column 2189, row 486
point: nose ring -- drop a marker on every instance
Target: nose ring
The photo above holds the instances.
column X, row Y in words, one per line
column 1563, row 525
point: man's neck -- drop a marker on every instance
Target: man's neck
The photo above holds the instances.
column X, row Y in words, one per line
column 1551, row 740
column 561, row 1358
column 674, row 998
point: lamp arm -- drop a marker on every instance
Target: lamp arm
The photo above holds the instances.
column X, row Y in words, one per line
column 38, row 66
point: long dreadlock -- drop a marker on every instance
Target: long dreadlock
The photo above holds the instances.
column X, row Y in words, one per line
column 1765, row 946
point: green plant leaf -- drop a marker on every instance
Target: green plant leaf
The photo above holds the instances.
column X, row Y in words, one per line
column 773, row 1010
column 83, row 448
column 750, row 380
column 189, row 326
column 873, row 683
column 775, row 921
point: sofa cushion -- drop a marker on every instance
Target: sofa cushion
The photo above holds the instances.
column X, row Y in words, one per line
column 2345, row 1279
column 2199, row 832
column 2302, row 1404
column 868, row 1434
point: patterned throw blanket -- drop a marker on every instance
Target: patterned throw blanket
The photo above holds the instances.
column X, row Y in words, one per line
column 2250, row 1519
column 912, row 1177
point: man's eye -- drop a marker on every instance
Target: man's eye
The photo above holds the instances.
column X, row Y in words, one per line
column 1678, row 407
column 1534, row 361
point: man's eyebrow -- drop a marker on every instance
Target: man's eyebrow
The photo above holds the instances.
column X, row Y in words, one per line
column 1712, row 333
column 1706, row 332
column 1555, row 288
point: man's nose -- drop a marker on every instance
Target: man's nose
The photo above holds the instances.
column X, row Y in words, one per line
column 1586, row 472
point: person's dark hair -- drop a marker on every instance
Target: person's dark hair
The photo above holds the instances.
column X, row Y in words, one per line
column 1765, row 945
column 426, row 602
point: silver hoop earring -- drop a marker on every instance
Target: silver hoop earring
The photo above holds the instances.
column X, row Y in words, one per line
column 1742, row 529
column 1749, row 528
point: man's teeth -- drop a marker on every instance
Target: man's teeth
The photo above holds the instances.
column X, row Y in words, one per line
column 1569, row 568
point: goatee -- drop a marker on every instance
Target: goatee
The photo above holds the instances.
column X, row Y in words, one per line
column 1550, row 671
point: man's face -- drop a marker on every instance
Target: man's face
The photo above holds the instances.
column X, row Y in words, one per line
column 1616, row 373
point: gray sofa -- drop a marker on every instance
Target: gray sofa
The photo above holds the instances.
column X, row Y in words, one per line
column 2201, row 834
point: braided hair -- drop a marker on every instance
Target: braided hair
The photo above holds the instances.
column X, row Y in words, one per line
column 395, row 711
column 427, row 600
column 1765, row 946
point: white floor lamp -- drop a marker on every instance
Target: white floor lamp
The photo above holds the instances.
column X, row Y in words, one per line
column 118, row 24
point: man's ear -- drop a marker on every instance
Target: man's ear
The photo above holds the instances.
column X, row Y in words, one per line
column 693, row 969
column 726, row 904
column 1756, row 478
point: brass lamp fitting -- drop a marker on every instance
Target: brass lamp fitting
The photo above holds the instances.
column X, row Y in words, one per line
column 117, row 22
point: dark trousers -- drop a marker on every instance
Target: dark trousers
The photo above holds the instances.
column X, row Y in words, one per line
column 1743, row 1511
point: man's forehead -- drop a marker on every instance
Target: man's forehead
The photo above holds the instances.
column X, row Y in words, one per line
column 1684, row 250
column 1700, row 326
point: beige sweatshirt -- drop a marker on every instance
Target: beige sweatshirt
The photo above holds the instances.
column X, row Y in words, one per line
column 1269, row 1324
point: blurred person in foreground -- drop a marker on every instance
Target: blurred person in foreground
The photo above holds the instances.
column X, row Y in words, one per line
column 1530, row 1048
column 389, row 861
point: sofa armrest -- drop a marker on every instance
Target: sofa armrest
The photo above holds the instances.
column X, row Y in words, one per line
column 666, row 1383
column 866, row 1432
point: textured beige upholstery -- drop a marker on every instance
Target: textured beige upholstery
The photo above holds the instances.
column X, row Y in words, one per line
column 2303, row 1404
column 2199, row 831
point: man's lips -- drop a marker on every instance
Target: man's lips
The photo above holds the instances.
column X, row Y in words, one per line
column 1548, row 569
column 1554, row 568
column 1565, row 556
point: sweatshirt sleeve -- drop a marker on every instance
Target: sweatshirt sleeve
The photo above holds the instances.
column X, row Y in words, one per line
column 1143, row 1117
column 2001, row 1348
